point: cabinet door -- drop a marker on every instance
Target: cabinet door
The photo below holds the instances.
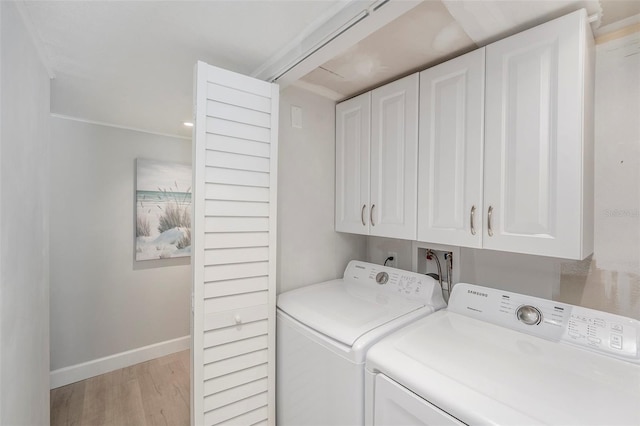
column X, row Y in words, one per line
column 353, row 121
column 533, row 139
column 394, row 159
column 450, row 152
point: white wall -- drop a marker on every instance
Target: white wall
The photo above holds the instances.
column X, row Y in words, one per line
column 309, row 249
column 24, row 253
column 103, row 302
column 610, row 279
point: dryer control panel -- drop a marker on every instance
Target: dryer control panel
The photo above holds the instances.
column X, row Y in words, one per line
column 597, row 331
column 405, row 283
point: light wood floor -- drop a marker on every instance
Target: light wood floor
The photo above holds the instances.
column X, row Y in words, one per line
column 152, row 393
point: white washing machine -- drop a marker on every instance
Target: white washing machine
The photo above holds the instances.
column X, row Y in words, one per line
column 324, row 331
column 495, row 357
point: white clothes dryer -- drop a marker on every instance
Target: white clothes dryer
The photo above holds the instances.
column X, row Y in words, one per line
column 324, row 331
column 501, row 358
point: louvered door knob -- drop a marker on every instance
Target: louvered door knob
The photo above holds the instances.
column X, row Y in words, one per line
column 238, row 319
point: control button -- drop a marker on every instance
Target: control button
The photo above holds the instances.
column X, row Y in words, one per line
column 574, row 334
column 382, row 278
column 616, row 327
column 529, row 315
column 594, row 339
column 616, row 341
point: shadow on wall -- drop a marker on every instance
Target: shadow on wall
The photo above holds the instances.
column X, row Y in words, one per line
column 585, row 283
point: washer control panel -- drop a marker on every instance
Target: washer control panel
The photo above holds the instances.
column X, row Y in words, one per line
column 602, row 331
column 598, row 331
column 404, row 283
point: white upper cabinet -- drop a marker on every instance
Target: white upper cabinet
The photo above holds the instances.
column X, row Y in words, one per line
column 538, row 160
column 450, row 152
column 376, row 161
column 394, row 159
column 353, row 129
column 505, row 148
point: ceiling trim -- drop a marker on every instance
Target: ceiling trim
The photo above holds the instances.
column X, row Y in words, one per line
column 35, row 38
column 117, row 126
column 351, row 25
column 335, row 15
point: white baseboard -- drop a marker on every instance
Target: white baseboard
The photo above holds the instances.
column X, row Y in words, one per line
column 75, row 373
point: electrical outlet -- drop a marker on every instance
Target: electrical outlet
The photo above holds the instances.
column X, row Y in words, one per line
column 392, row 263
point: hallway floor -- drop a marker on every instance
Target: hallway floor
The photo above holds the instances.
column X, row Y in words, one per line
column 151, row 393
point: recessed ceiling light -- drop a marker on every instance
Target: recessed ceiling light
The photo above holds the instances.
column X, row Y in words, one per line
column 188, row 124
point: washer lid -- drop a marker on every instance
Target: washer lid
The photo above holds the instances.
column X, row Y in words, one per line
column 482, row 373
column 344, row 310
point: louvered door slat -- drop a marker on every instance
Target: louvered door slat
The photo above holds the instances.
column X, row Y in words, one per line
column 234, row 129
column 233, row 333
column 215, row 191
column 240, row 239
column 235, row 302
column 236, row 363
column 235, row 270
column 235, row 224
column 223, row 398
column 233, row 96
column 237, row 177
column 226, row 319
column 229, row 160
column 238, row 146
column 232, row 380
column 234, row 253
column 238, row 286
column 236, row 409
column 249, row 418
column 239, row 114
column 233, row 349
column 236, row 208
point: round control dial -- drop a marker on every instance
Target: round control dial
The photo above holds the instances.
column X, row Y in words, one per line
column 529, row 315
column 382, row 278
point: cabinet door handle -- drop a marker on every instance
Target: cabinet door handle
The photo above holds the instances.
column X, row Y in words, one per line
column 489, row 228
column 362, row 214
column 373, row 206
column 472, row 220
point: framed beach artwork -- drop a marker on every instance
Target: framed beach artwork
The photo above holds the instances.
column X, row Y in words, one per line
column 163, row 210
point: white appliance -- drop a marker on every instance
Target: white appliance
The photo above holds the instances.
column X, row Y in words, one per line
column 324, row 331
column 495, row 357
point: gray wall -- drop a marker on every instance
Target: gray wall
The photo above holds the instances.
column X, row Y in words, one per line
column 24, row 185
column 610, row 279
column 309, row 250
column 103, row 302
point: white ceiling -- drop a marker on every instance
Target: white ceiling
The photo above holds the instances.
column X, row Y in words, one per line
column 130, row 63
column 435, row 31
column 426, row 35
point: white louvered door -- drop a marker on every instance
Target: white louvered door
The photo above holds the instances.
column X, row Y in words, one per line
column 234, row 249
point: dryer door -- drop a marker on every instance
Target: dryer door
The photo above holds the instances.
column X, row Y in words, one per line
column 397, row 406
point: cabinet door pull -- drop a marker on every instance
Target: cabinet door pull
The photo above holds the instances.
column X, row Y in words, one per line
column 373, row 206
column 362, row 214
column 489, row 229
column 472, row 220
